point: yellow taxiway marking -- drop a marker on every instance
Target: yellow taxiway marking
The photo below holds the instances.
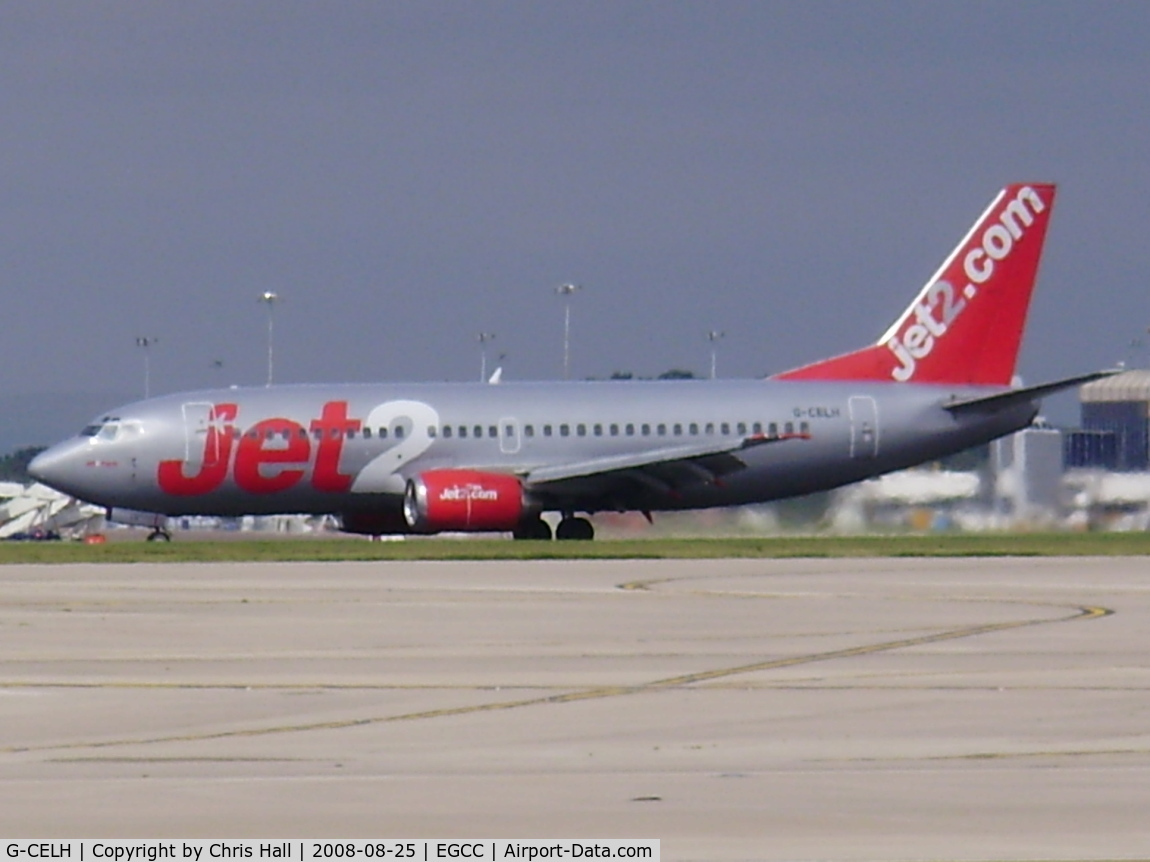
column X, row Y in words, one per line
column 596, row 693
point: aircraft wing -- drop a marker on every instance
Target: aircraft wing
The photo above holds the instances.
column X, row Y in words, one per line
column 663, row 469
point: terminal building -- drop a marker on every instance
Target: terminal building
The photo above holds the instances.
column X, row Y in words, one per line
column 1115, row 432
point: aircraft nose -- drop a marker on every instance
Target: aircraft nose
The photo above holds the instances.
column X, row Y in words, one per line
column 55, row 466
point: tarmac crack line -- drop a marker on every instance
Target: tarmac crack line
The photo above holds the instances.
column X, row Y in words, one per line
column 595, row 693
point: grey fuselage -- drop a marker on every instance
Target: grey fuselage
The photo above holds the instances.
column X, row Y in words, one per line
column 349, row 448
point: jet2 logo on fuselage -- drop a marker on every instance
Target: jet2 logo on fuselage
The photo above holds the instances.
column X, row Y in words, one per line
column 275, row 454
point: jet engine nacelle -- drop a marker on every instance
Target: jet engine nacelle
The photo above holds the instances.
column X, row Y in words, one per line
column 463, row 500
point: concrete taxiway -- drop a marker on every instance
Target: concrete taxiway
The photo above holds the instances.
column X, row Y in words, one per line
column 752, row 709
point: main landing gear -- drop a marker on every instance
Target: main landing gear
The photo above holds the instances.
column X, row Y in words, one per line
column 578, row 529
column 159, row 534
column 570, row 528
column 533, row 529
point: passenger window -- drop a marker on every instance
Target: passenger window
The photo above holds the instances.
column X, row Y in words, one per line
column 662, row 429
column 462, row 431
column 677, row 430
column 398, row 432
column 446, row 430
column 725, row 428
column 529, row 430
column 546, row 430
column 508, row 430
column 581, row 430
column 741, row 428
column 694, row 429
column 804, row 427
column 598, row 430
column 789, row 428
column 564, row 430
column 773, row 429
column 382, row 433
column 366, row 433
column 477, row 431
column 431, row 431
column 757, row 428
column 614, row 430
column 317, row 433
column 646, row 430
column 630, row 430
column 710, row 428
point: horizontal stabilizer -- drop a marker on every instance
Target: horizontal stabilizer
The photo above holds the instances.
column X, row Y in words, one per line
column 1012, row 397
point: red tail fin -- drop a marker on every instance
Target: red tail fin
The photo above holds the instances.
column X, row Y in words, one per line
column 965, row 325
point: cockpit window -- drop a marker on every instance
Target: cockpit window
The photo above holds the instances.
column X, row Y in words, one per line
column 107, row 429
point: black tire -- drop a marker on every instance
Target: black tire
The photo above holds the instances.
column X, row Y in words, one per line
column 575, row 529
column 535, row 529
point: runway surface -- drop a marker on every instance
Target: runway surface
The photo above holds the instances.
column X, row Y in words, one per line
column 750, row 709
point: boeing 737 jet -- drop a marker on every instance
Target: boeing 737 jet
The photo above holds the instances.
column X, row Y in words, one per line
column 426, row 457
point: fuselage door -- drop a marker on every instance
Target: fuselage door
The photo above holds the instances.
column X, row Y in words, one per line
column 864, row 426
column 509, row 436
column 199, row 446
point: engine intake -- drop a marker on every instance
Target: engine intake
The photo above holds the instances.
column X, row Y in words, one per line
column 463, row 500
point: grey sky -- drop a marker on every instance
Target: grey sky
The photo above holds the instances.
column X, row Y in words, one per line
column 407, row 175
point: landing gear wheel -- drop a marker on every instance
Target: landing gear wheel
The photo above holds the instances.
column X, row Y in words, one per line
column 578, row 529
column 159, row 535
column 535, row 529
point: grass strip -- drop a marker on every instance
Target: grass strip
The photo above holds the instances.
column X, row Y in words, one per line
column 312, row 549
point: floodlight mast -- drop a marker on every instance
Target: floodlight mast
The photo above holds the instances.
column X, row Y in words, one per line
column 146, row 343
column 567, row 291
column 270, row 298
column 483, row 338
column 714, row 336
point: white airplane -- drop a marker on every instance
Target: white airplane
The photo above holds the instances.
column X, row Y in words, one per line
column 425, row 457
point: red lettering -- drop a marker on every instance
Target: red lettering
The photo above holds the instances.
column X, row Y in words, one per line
column 332, row 427
column 274, row 442
column 271, row 456
column 214, row 462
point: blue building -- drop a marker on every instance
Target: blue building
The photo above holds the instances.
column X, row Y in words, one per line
column 1115, row 432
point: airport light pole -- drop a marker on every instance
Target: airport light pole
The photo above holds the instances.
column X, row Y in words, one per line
column 270, row 298
column 146, row 345
column 714, row 336
column 567, row 291
column 483, row 338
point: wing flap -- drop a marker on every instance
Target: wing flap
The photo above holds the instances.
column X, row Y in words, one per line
column 702, row 461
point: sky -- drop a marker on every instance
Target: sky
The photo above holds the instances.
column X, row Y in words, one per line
column 407, row 175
